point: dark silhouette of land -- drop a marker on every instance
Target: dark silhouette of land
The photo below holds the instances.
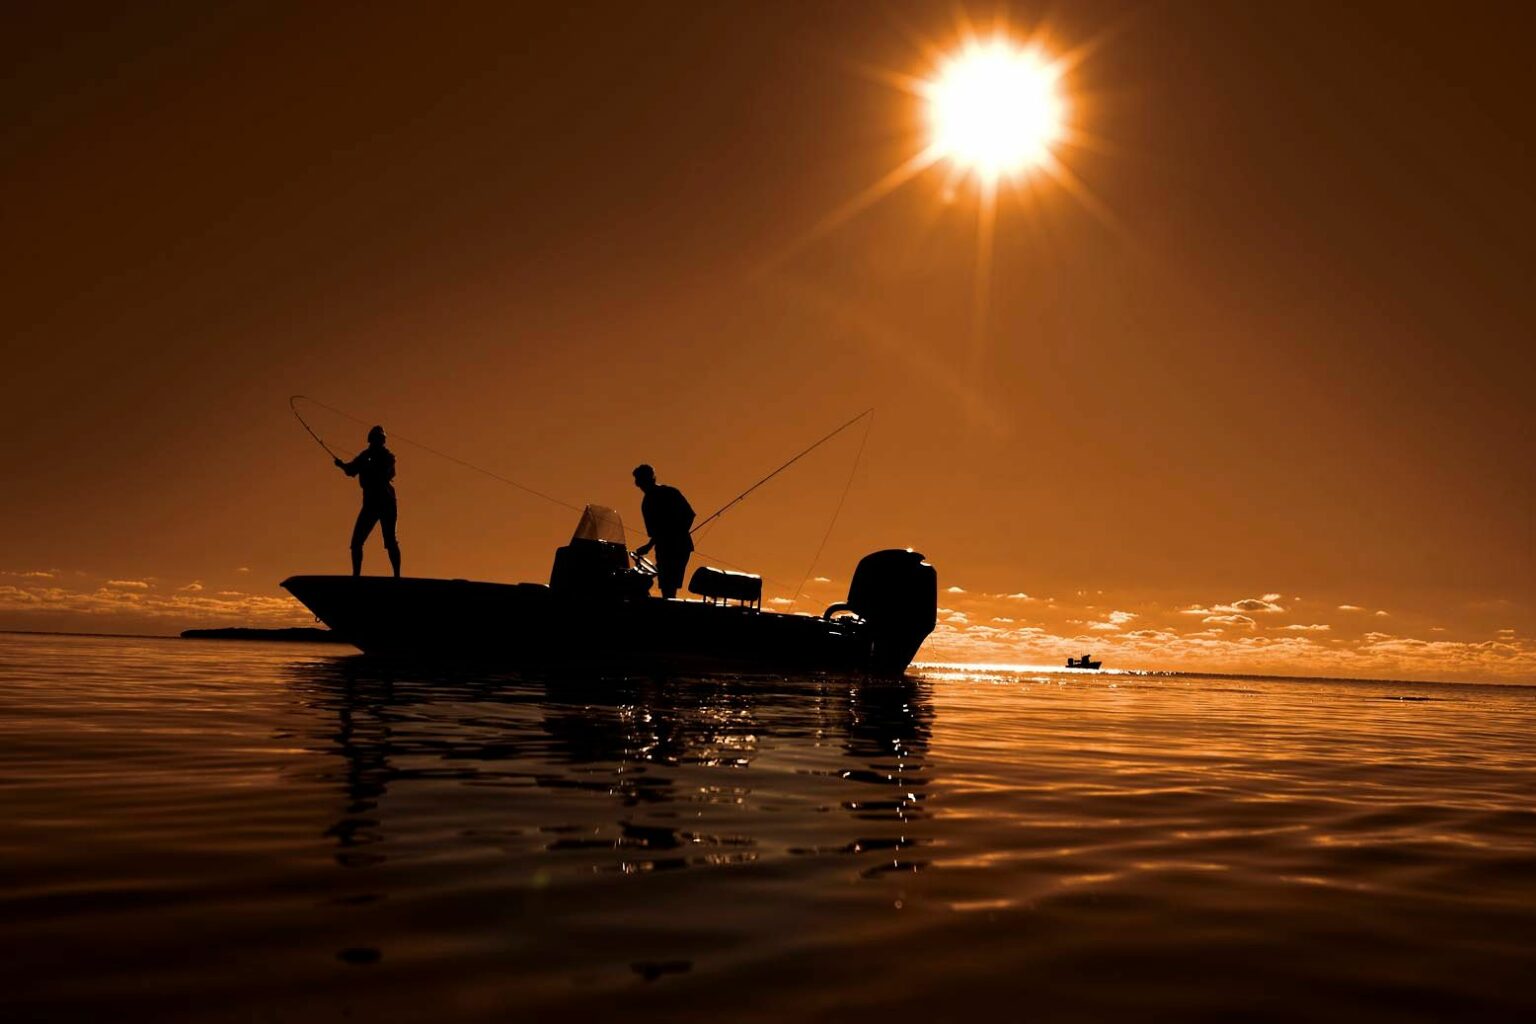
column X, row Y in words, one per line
column 292, row 634
column 374, row 468
column 668, row 522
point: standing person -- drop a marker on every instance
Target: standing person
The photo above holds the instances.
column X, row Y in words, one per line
column 668, row 520
column 374, row 468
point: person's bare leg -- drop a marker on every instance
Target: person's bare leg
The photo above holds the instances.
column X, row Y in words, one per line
column 366, row 517
column 387, row 525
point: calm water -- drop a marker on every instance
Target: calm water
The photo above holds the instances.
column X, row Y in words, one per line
column 210, row 831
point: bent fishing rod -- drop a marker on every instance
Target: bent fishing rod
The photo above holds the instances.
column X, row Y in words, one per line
column 424, row 447
column 295, row 410
column 736, row 500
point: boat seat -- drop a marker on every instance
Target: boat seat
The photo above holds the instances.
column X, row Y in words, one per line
column 715, row 585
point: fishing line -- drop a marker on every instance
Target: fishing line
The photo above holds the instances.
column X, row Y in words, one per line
column 721, row 510
column 497, row 476
column 427, row 448
column 835, row 513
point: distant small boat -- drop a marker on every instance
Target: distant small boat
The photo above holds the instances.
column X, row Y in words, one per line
column 1083, row 662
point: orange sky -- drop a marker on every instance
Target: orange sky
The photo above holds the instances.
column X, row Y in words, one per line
column 1284, row 351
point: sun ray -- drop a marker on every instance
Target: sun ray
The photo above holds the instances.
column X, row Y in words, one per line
column 912, row 85
column 1079, row 190
column 981, row 295
column 1077, row 55
column 1077, row 138
column 997, row 114
column 894, row 179
column 874, row 326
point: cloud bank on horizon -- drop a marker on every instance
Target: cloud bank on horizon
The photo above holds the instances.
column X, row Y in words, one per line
column 1266, row 634
column 79, row 602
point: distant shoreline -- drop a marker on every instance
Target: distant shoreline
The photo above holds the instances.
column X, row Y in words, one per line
column 289, row 634
column 309, row 634
column 1180, row 673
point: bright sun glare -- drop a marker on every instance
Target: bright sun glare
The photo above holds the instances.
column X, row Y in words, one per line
column 995, row 109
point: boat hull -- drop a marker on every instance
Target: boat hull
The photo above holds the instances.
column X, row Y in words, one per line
column 527, row 625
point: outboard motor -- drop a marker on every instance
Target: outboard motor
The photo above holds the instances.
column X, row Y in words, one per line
column 896, row 593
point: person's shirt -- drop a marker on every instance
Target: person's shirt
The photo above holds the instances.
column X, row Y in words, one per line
column 668, row 516
column 374, row 469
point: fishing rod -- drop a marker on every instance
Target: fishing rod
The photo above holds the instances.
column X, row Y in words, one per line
column 458, row 461
column 295, row 410
column 426, row 448
column 293, row 407
column 723, row 508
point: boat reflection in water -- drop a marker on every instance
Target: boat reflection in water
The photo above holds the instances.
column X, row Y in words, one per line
column 569, row 778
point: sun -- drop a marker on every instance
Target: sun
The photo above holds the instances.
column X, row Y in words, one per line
column 992, row 106
column 995, row 109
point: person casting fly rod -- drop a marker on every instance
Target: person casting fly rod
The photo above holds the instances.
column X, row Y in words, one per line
column 374, row 468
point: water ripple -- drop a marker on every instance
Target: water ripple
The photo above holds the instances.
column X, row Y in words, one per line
column 211, row 831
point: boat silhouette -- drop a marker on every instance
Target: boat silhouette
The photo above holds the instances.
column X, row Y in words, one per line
column 1083, row 662
column 597, row 612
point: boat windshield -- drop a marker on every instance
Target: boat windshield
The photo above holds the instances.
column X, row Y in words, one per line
column 600, row 523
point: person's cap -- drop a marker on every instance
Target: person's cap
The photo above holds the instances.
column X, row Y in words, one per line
column 645, row 472
column 376, row 434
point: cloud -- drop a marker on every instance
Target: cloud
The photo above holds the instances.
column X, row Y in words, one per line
column 1350, row 608
column 780, row 600
column 1228, row 638
column 1110, row 623
column 1266, row 604
column 954, row 590
column 1020, row 596
column 1382, row 614
column 138, row 605
column 821, row 579
column 191, row 588
column 32, row 574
